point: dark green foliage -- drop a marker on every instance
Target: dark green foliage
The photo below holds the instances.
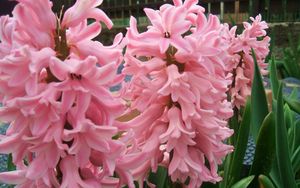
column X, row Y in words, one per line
column 259, row 105
column 10, row 164
column 240, row 146
column 265, row 149
column 283, row 160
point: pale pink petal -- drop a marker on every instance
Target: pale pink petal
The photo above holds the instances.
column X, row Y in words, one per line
column 71, row 177
column 164, row 45
column 154, row 18
column 68, row 99
column 36, row 168
column 99, row 15
column 59, row 69
column 90, row 32
column 13, row 177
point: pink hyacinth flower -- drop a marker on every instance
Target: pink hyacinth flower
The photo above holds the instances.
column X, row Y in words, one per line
column 243, row 63
column 54, row 87
column 179, row 85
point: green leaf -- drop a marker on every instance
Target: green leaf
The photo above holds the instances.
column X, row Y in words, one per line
column 275, row 174
column 293, row 103
column 295, row 135
column 298, row 182
column 290, row 120
column 288, row 117
column 227, row 163
column 233, row 124
column 274, row 78
column 240, row 146
column 259, row 105
column 243, row 183
column 286, row 172
column 265, row 147
column 10, row 165
column 265, row 182
column 296, row 160
column 160, row 177
column 294, row 94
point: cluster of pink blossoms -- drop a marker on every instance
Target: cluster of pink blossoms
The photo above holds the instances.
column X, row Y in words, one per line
column 242, row 64
column 54, row 87
column 182, row 68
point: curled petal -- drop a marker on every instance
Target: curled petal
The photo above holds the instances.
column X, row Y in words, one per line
column 82, row 10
